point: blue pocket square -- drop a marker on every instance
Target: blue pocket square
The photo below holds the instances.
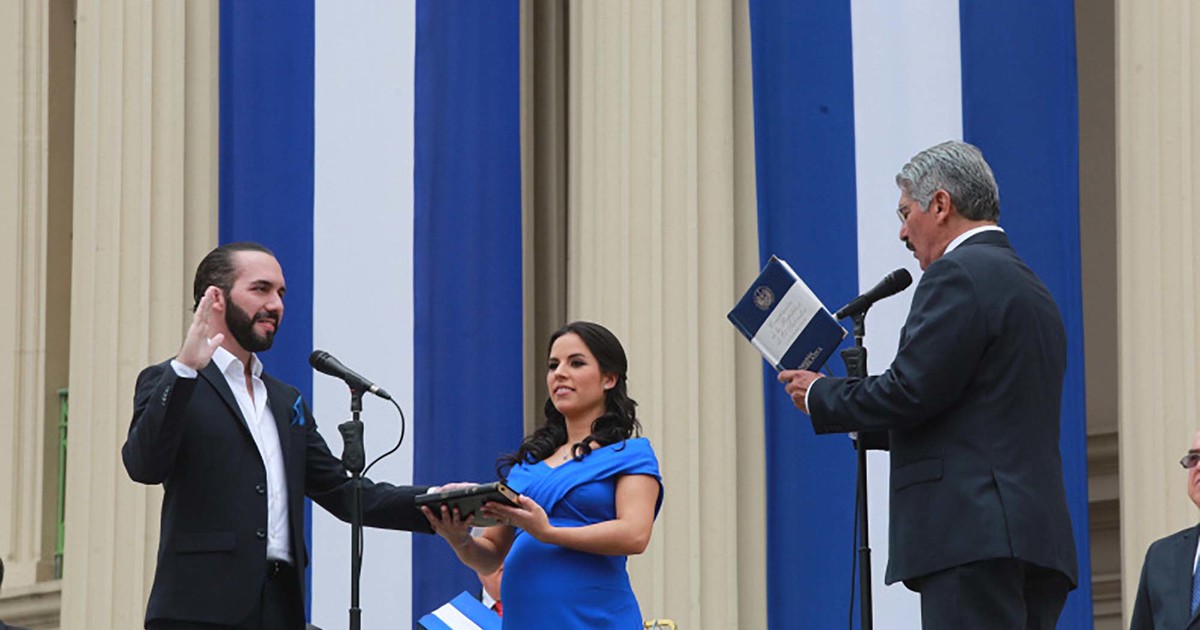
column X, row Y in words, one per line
column 298, row 418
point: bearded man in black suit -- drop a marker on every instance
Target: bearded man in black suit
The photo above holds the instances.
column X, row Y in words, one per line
column 979, row 523
column 236, row 451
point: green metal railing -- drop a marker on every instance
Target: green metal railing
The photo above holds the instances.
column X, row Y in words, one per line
column 62, row 481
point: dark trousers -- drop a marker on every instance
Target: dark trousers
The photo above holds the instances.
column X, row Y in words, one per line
column 279, row 607
column 1000, row 594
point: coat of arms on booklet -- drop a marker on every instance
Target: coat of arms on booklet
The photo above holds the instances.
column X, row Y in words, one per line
column 785, row 321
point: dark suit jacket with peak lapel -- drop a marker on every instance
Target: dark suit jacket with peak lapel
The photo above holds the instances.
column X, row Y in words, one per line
column 1164, row 595
column 971, row 403
column 190, row 436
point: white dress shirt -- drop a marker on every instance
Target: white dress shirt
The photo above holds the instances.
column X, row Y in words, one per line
column 261, row 423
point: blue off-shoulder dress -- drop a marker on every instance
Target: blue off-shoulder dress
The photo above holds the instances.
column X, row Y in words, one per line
column 547, row 586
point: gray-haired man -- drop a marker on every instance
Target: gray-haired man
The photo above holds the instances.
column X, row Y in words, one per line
column 979, row 523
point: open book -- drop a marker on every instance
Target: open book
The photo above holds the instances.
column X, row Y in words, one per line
column 783, row 318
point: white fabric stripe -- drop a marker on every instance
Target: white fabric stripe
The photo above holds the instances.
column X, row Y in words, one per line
column 362, row 278
column 452, row 617
column 907, row 96
column 790, row 316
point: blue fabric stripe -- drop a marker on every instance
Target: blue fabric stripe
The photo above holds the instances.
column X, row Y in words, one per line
column 429, row 622
column 807, row 352
column 804, row 148
column 1020, row 107
column 467, row 260
column 266, row 162
column 747, row 315
column 474, row 610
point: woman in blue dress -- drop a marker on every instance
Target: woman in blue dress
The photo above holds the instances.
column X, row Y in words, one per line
column 590, row 491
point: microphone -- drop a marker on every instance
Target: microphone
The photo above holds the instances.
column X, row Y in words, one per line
column 324, row 362
column 891, row 284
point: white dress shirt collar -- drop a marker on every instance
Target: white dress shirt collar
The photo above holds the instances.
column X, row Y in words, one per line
column 224, row 359
column 968, row 234
column 1196, row 558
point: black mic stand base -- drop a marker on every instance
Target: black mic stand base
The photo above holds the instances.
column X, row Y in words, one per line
column 354, row 459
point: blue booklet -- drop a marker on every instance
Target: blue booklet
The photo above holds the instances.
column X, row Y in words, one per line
column 464, row 612
column 785, row 321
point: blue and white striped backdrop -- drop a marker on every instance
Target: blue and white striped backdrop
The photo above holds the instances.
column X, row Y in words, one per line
column 844, row 94
column 374, row 145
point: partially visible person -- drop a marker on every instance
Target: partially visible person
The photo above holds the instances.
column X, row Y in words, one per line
column 1168, row 595
column 4, row 626
column 590, row 492
column 978, row 515
column 236, row 452
column 490, row 590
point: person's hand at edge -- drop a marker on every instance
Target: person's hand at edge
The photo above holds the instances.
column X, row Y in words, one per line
column 527, row 515
column 200, row 343
column 457, row 485
column 796, row 384
column 450, row 526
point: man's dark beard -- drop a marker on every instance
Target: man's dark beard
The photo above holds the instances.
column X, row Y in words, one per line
column 241, row 326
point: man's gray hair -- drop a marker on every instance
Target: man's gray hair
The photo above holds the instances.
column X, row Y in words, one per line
column 960, row 170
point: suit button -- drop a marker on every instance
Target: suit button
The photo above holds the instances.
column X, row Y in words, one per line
column 260, row 534
column 260, row 489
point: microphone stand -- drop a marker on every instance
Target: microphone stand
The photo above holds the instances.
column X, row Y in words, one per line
column 354, row 459
column 855, row 358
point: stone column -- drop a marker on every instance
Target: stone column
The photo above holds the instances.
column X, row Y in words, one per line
column 144, row 214
column 1158, row 263
column 543, row 187
column 661, row 239
column 34, row 164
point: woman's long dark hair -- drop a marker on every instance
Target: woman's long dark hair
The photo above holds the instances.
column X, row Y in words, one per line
column 618, row 422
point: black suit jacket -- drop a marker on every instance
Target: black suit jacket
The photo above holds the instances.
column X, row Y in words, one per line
column 190, row 436
column 1164, row 595
column 971, row 403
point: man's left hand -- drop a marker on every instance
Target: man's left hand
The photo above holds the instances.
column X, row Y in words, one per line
column 796, row 384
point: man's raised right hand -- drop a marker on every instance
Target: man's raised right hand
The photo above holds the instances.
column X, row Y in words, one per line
column 200, row 344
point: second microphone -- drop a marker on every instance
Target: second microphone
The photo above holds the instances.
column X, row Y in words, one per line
column 324, row 362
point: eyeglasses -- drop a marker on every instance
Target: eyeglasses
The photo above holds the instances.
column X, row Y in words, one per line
column 903, row 213
column 1190, row 460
